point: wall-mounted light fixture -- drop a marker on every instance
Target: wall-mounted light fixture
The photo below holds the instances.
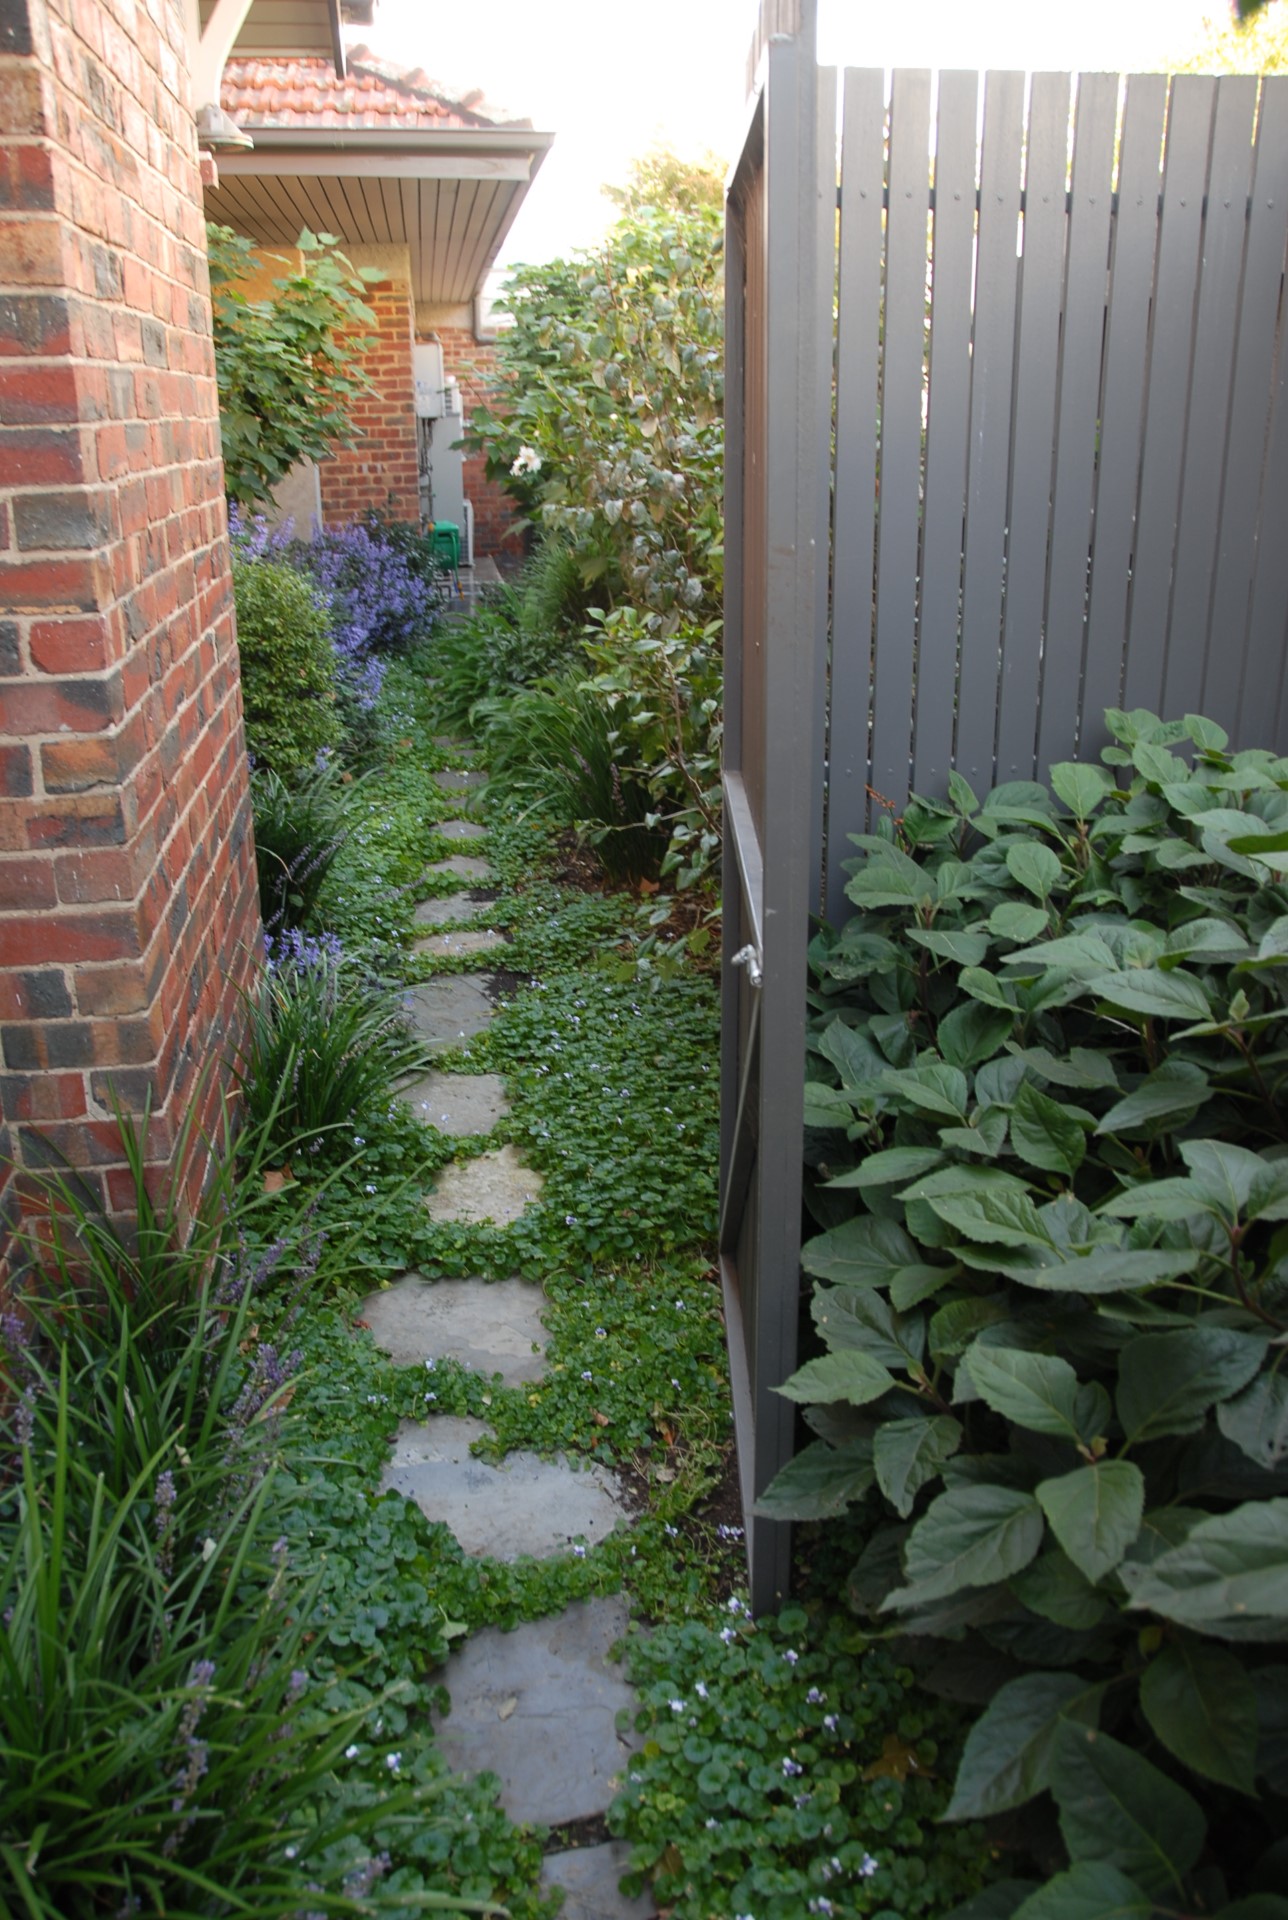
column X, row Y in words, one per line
column 217, row 131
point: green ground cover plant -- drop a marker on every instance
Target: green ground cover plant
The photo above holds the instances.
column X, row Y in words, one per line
column 1049, row 1157
column 788, row 1769
column 611, row 1078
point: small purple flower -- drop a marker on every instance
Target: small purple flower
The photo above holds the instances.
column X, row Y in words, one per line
column 359, row 1882
column 304, row 952
column 14, row 1335
column 165, row 1498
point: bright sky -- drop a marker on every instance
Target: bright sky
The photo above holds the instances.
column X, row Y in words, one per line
column 612, row 77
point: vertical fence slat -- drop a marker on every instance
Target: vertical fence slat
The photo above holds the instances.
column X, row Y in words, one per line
column 993, row 360
column 1086, row 277
column 1170, row 365
column 1041, row 280
column 1224, row 234
column 1249, row 406
column 1266, row 640
column 947, row 429
column 754, row 539
column 1122, row 410
column 899, row 497
column 857, row 349
column 825, row 349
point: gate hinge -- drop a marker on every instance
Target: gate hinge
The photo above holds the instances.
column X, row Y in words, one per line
column 749, row 957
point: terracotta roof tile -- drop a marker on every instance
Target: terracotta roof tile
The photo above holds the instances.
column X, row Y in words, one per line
column 304, row 92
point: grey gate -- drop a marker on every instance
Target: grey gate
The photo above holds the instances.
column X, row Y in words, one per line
column 1008, row 444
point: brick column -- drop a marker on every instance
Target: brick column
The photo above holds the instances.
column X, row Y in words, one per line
column 128, row 910
column 380, row 470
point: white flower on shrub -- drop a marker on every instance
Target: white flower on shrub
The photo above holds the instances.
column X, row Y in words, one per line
column 527, row 460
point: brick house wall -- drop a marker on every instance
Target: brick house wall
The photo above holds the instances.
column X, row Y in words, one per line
column 380, row 470
column 128, row 907
column 473, row 363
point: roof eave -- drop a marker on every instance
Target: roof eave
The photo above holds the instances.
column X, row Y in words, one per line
column 280, row 140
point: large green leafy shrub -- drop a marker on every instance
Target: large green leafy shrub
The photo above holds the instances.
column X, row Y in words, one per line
column 288, row 367
column 614, row 386
column 608, row 428
column 666, row 686
column 1048, row 1138
column 287, row 666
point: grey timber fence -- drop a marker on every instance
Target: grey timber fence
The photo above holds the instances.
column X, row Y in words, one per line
column 1007, row 445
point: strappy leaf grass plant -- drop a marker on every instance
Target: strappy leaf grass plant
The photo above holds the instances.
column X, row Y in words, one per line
column 554, row 748
column 163, row 1746
column 324, row 1045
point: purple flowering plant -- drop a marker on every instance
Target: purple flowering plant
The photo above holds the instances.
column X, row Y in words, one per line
column 377, row 601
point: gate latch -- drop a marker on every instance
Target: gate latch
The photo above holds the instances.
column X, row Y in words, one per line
column 749, row 957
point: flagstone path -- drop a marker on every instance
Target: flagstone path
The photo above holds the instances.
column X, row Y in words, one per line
column 537, row 1706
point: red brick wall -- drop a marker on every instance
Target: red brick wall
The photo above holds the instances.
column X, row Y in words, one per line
column 473, row 363
column 128, row 911
column 380, row 471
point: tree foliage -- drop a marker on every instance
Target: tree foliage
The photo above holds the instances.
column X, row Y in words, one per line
column 1256, row 41
column 608, row 428
column 666, row 180
column 609, row 421
column 289, row 367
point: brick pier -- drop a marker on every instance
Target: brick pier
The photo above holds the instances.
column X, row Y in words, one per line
column 128, row 908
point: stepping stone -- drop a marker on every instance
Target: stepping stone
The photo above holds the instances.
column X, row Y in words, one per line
column 453, row 906
column 492, row 1327
column 494, row 1186
column 526, row 1505
column 538, row 1708
column 461, row 830
column 450, row 744
column 445, row 1012
column 450, row 946
column 460, row 781
column 589, row 1877
column 464, row 866
column 458, row 1103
